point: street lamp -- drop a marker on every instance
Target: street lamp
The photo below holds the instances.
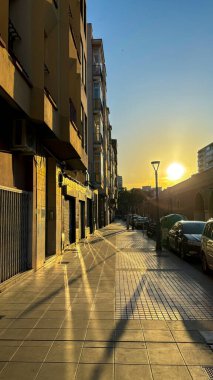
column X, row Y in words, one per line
column 155, row 165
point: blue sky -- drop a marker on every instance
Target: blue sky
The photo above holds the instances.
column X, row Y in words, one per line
column 159, row 58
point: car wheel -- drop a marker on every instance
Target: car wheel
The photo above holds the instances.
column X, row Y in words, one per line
column 205, row 266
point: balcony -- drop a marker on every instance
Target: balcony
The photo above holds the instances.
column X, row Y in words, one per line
column 14, row 81
column 50, row 113
column 98, row 138
column 80, row 158
column 97, row 105
column 97, row 70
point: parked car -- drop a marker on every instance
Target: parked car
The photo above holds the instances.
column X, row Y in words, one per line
column 166, row 223
column 207, row 247
column 185, row 237
column 142, row 222
column 151, row 229
column 133, row 219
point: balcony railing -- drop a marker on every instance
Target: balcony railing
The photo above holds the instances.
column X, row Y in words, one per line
column 98, row 138
column 13, row 35
column 97, row 70
column 97, row 105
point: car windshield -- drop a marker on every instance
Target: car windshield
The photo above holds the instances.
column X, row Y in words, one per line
column 193, row 228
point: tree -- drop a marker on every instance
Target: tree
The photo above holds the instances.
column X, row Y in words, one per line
column 131, row 201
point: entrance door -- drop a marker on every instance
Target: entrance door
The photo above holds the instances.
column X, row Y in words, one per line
column 69, row 221
column 50, row 240
column 72, row 229
column 89, row 215
column 82, row 211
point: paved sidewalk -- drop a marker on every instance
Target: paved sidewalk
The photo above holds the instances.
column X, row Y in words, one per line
column 110, row 309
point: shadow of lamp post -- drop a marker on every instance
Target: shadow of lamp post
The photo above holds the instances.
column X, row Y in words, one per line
column 155, row 165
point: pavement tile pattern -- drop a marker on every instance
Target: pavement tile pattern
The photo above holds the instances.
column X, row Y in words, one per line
column 109, row 309
column 150, row 286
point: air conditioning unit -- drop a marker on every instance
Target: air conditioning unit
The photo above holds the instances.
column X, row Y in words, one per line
column 23, row 137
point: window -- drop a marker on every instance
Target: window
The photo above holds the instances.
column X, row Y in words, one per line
column 82, row 122
column 98, row 168
column 97, row 91
column 193, row 228
column 82, row 60
column 98, row 124
column 84, row 72
column 73, row 113
column 96, row 59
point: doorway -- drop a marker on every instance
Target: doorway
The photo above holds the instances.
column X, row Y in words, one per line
column 82, row 213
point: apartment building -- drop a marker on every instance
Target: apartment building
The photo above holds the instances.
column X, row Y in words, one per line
column 45, row 201
column 205, row 158
column 120, row 182
column 102, row 149
column 113, row 188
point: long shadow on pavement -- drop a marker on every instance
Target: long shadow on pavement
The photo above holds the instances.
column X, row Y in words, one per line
column 118, row 330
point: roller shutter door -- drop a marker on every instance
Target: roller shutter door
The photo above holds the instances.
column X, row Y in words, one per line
column 14, row 232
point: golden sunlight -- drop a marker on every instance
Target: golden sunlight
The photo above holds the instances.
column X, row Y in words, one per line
column 175, row 171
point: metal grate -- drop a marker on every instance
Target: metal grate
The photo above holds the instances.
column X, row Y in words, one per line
column 209, row 372
column 14, row 232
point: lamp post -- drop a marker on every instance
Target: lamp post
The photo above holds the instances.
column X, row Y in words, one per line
column 155, row 165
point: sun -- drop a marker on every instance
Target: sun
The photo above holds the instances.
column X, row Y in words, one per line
column 175, row 171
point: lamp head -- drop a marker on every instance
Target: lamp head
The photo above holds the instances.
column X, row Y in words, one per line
column 155, row 165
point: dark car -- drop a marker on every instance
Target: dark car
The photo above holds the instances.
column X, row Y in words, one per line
column 132, row 220
column 185, row 237
column 142, row 223
column 151, row 229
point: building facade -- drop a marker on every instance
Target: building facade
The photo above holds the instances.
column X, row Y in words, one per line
column 205, row 158
column 192, row 197
column 101, row 147
column 120, row 182
column 45, row 201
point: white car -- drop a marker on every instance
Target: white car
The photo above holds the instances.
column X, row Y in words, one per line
column 207, row 247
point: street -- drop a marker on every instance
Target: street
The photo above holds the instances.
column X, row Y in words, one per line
column 109, row 309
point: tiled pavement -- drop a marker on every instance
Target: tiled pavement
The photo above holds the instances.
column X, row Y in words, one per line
column 111, row 309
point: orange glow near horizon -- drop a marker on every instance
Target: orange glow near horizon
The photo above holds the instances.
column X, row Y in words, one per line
column 164, row 180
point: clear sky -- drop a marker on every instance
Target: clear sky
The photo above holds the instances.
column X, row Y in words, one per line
column 159, row 59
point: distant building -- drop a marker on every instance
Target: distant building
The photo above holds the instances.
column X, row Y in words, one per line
column 205, row 158
column 151, row 189
column 120, row 182
column 102, row 148
column 147, row 188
